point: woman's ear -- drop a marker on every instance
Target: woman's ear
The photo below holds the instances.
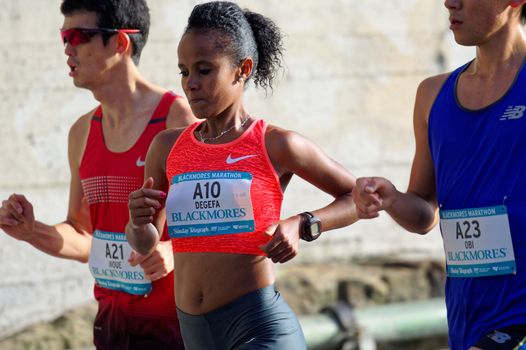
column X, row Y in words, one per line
column 245, row 69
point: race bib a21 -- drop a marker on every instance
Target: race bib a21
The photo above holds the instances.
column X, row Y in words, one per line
column 108, row 263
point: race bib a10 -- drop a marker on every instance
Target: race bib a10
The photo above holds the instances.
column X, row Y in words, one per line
column 108, row 263
column 209, row 203
column 477, row 242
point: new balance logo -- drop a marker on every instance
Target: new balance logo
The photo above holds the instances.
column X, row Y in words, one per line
column 499, row 337
column 230, row 160
column 513, row 112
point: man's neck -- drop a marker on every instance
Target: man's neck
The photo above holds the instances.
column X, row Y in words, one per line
column 124, row 94
column 504, row 52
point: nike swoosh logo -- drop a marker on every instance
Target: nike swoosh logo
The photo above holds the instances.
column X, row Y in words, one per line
column 230, row 160
column 140, row 162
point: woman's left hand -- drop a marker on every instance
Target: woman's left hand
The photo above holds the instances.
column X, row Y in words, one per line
column 284, row 244
column 156, row 265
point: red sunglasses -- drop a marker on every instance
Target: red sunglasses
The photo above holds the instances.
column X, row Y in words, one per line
column 77, row 36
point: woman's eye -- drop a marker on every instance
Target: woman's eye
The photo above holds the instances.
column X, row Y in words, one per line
column 204, row 71
column 183, row 73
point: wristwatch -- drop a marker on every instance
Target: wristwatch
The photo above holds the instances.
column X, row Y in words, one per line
column 311, row 227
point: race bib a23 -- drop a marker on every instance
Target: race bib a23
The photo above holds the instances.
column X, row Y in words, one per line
column 477, row 242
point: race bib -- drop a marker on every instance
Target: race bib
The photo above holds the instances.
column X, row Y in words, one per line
column 209, row 203
column 477, row 242
column 108, row 263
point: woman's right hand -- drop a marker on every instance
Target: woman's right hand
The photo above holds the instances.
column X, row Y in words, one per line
column 144, row 203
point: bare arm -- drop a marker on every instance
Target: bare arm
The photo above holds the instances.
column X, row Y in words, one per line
column 416, row 209
column 292, row 153
column 146, row 205
column 300, row 156
column 70, row 239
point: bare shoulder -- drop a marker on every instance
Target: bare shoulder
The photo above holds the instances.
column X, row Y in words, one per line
column 279, row 140
column 288, row 150
column 158, row 153
column 81, row 126
column 432, row 85
column 180, row 114
column 78, row 135
column 169, row 136
column 164, row 141
column 427, row 92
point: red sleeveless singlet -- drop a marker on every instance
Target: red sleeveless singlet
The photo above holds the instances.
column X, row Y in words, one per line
column 222, row 196
column 107, row 180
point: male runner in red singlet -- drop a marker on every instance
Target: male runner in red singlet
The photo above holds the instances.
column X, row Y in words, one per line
column 107, row 147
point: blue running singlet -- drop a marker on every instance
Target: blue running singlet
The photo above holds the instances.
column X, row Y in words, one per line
column 479, row 158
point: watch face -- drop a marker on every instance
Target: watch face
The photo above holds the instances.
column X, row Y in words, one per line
column 315, row 229
column 312, row 227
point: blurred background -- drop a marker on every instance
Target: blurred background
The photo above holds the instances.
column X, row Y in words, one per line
column 349, row 80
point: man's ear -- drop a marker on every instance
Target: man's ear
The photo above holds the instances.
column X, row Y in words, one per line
column 517, row 3
column 124, row 43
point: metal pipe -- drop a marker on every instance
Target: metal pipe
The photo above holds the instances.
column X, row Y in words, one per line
column 339, row 323
column 322, row 332
column 404, row 321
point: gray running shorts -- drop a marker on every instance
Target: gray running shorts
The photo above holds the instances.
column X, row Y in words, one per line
column 258, row 320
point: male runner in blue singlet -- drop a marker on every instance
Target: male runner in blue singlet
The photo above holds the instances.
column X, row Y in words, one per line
column 469, row 173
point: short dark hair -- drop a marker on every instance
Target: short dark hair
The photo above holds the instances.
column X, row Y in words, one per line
column 117, row 14
column 244, row 34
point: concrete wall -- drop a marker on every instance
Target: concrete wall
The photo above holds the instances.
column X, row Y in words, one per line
column 352, row 68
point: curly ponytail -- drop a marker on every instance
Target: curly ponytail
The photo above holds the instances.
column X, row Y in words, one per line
column 269, row 42
column 242, row 34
